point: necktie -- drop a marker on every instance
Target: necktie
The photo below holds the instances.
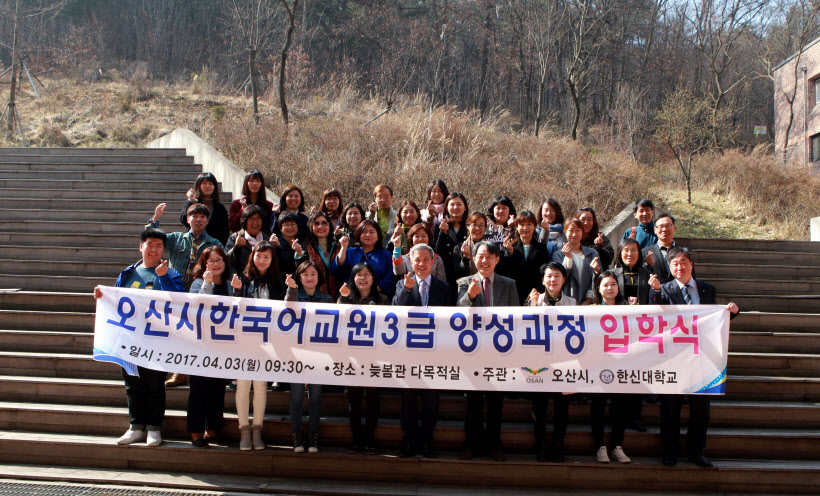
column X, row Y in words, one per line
column 485, row 286
column 664, row 251
column 423, row 293
column 686, row 298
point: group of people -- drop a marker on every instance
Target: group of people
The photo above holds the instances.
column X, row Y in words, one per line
column 437, row 253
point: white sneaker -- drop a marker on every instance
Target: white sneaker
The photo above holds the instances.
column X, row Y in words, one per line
column 619, row 455
column 602, row 457
column 132, row 436
column 154, row 438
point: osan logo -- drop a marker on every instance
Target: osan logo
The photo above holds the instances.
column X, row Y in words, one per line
column 534, row 378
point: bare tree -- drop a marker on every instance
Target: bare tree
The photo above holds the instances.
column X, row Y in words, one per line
column 801, row 23
column 253, row 21
column 544, row 30
column 717, row 27
column 12, row 10
column 291, row 25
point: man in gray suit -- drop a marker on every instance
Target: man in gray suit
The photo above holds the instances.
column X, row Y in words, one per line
column 485, row 288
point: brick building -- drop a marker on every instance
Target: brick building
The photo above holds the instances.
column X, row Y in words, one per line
column 804, row 137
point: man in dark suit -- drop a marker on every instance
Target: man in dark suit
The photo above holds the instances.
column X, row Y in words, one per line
column 420, row 289
column 485, row 288
column 684, row 289
column 656, row 255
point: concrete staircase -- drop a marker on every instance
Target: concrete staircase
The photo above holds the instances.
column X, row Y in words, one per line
column 72, row 218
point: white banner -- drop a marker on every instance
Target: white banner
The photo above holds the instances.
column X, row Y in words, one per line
column 623, row 349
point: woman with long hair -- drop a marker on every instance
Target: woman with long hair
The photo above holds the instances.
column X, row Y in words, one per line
column 206, row 192
column 292, row 200
column 253, row 193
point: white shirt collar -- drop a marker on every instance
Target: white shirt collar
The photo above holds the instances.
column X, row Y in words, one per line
column 427, row 280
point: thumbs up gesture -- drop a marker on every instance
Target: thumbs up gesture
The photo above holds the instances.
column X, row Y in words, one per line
column 290, row 282
column 344, row 290
column 654, row 282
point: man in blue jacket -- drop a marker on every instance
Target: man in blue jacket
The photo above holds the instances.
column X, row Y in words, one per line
column 146, row 391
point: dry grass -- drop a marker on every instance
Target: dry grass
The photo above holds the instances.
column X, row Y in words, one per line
column 329, row 143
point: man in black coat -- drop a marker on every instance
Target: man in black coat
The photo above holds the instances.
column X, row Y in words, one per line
column 684, row 289
column 656, row 255
column 420, row 289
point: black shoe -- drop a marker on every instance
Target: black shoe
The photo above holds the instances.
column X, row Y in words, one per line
column 200, row 442
column 369, row 449
column 497, row 455
column 670, row 460
column 426, row 451
column 701, row 461
column 354, row 448
column 407, row 450
column 638, row 425
column 543, row 454
column 467, row 454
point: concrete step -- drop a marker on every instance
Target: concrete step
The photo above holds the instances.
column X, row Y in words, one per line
column 449, row 435
column 51, row 301
column 578, row 473
column 35, row 282
column 725, row 412
column 80, row 216
column 98, row 204
column 151, row 194
column 134, row 159
column 766, row 287
column 749, row 244
column 709, row 271
column 59, row 183
column 70, row 268
column 774, row 364
column 774, row 342
column 73, row 240
column 89, row 226
column 775, row 322
column 29, row 320
column 138, row 168
column 774, row 303
column 47, row 341
column 80, row 152
column 125, row 176
column 80, row 254
column 755, row 258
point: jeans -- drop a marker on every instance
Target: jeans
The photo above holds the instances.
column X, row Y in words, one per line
column 146, row 398
column 297, row 394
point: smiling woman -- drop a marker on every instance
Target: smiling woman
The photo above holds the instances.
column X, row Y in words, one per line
column 206, row 192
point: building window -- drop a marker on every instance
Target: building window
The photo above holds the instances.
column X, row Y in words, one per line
column 815, row 148
column 816, row 91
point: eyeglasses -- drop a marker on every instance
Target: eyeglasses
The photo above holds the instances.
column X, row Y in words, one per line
column 664, row 227
column 217, row 261
column 321, row 224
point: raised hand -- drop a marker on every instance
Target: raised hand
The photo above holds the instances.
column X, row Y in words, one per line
column 567, row 251
column 596, row 265
column 444, row 226
column 159, row 211
column 532, row 299
column 244, row 202
column 338, row 231
column 344, row 290
column 409, row 281
column 633, row 232
column 396, row 239
column 236, row 282
column 297, row 248
column 509, row 244
column 466, row 251
column 650, row 259
column 431, row 207
column 208, row 277
column 274, row 240
column 474, row 289
column 344, row 242
column 654, row 282
column 276, row 208
column 599, row 241
column 162, row 268
column 240, row 238
column 372, row 208
column 545, row 224
column 633, row 300
column 290, row 282
column 312, row 211
column 97, row 292
column 191, row 194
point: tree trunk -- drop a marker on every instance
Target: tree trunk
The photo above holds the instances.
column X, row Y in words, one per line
column 540, row 108
column 788, row 131
column 254, row 91
column 576, row 104
column 11, row 110
column 284, row 60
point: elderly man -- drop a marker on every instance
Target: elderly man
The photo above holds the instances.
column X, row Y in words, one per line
column 485, row 288
column 684, row 290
